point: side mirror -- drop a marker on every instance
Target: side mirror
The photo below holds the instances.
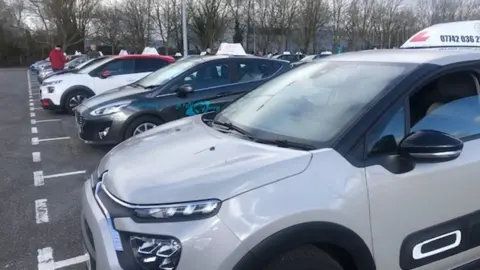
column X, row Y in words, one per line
column 431, row 146
column 184, row 90
column 105, row 74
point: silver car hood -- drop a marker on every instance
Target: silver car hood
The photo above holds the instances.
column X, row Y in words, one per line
column 186, row 160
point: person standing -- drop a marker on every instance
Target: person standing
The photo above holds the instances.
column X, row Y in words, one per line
column 93, row 53
column 57, row 58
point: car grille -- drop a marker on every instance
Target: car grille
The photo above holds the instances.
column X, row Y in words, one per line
column 80, row 120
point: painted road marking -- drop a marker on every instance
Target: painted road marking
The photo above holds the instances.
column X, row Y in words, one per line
column 38, row 179
column 63, row 174
column 36, row 157
column 30, row 100
column 31, row 103
column 41, row 211
column 46, row 261
column 48, row 120
column 36, row 140
column 31, row 108
column 33, row 121
column 34, row 130
column 72, row 261
column 28, row 81
column 32, row 114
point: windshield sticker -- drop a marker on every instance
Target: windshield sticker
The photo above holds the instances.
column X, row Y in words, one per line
column 460, row 39
column 197, row 107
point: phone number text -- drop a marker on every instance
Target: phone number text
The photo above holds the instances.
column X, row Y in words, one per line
column 460, row 39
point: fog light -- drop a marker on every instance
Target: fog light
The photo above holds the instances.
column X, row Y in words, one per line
column 51, row 89
column 104, row 133
column 154, row 253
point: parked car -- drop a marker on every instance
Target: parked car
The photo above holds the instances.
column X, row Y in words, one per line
column 364, row 160
column 39, row 64
column 194, row 85
column 287, row 56
column 47, row 70
column 310, row 58
column 66, row 91
column 81, row 66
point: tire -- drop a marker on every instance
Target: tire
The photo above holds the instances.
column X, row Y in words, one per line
column 136, row 123
column 307, row 257
column 78, row 96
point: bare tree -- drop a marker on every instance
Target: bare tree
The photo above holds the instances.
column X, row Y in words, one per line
column 338, row 9
column 166, row 17
column 266, row 19
column 208, row 21
column 109, row 26
column 312, row 16
column 136, row 17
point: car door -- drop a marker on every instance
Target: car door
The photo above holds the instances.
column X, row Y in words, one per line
column 208, row 80
column 145, row 66
column 113, row 74
column 426, row 216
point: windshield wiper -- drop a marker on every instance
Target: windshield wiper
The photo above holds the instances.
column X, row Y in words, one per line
column 151, row 86
column 287, row 144
column 231, row 126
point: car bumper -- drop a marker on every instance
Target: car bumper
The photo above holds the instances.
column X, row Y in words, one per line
column 205, row 244
column 51, row 100
column 100, row 130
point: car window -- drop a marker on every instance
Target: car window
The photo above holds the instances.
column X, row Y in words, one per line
column 120, row 66
column 313, row 102
column 208, row 75
column 450, row 104
column 254, row 70
column 148, row 64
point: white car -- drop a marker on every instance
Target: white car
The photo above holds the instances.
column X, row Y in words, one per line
column 66, row 91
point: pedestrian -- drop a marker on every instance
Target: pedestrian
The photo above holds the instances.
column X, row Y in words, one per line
column 93, row 53
column 57, row 58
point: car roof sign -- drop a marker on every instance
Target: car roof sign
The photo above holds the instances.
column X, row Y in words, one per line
column 453, row 34
column 123, row 52
column 150, row 50
column 230, row 49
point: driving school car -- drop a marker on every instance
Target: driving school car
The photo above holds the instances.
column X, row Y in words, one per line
column 189, row 87
column 365, row 160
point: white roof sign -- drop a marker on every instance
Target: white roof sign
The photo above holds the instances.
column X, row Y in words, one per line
column 453, row 34
column 78, row 53
column 286, row 52
column 123, row 52
column 231, row 49
column 150, row 50
column 326, row 53
column 178, row 54
column 203, row 53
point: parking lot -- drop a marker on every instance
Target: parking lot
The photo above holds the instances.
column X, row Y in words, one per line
column 43, row 166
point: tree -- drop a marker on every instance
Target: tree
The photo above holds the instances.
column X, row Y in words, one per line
column 313, row 15
column 208, row 21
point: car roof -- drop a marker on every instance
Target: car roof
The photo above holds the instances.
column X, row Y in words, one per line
column 216, row 57
column 146, row 56
column 436, row 56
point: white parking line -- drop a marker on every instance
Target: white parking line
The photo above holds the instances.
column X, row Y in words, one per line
column 72, row 261
column 63, row 174
column 36, row 140
column 34, row 130
column 28, row 81
column 46, row 261
column 36, row 156
column 41, row 211
column 30, row 100
column 31, row 103
column 38, row 178
column 31, row 108
column 48, row 120
column 32, row 114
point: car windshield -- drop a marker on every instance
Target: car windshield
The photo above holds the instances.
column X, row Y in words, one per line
column 93, row 66
column 313, row 103
column 168, row 72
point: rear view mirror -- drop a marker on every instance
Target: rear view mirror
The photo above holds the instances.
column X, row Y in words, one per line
column 431, row 146
column 105, row 74
column 184, row 90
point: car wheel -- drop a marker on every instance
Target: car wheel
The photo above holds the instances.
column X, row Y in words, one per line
column 141, row 125
column 304, row 258
column 74, row 99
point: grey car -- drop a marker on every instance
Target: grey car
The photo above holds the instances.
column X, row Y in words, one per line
column 362, row 161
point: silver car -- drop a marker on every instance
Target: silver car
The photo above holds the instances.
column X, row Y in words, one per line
column 362, row 161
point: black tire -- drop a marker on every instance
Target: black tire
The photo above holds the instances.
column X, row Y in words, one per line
column 306, row 257
column 74, row 94
column 139, row 121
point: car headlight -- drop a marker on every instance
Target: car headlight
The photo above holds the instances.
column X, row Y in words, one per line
column 110, row 109
column 52, row 82
column 180, row 211
column 159, row 253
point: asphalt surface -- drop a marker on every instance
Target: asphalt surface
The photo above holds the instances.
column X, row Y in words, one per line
column 39, row 224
